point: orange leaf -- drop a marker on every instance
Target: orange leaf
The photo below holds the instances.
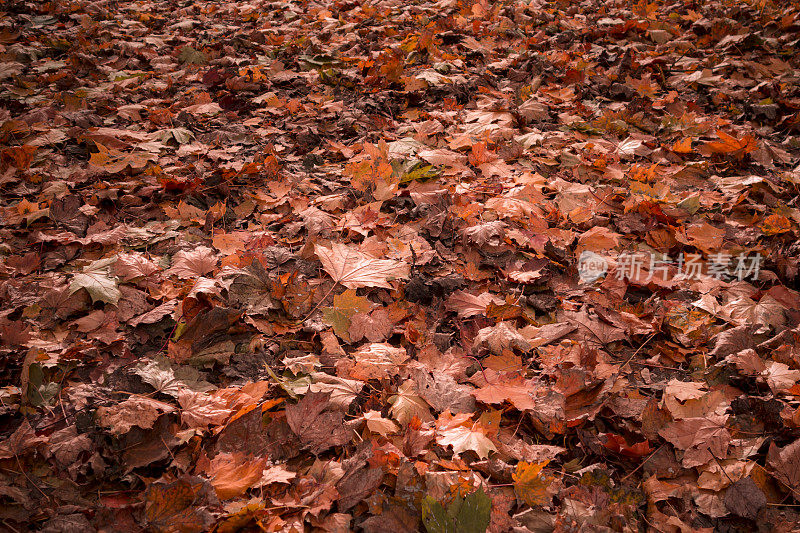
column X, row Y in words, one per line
column 20, row 157
column 232, row 474
column 531, row 484
column 775, row 224
column 684, row 146
column 729, row 145
column 113, row 161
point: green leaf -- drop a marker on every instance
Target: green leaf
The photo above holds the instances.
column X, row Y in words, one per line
column 463, row 515
column 39, row 392
column 474, row 514
column 423, row 172
column 435, row 517
column 189, row 55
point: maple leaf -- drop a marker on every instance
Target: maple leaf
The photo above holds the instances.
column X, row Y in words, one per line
column 193, row 263
column 114, row 161
column 342, row 391
column 232, row 474
column 154, row 315
column 375, row 326
column 179, row 505
column 23, row 440
column 487, row 234
column 776, row 224
column 467, row 305
column 596, row 330
column 618, row 444
column 779, row 377
column 345, row 306
column 500, row 338
column 705, row 236
column 160, row 374
column 729, row 145
column 132, row 266
column 354, row 269
column 199, row 410
column 785, row 463
column 441, row 391
column 317, row 427
column 377, row 424
column 464, row 439
column 275, row 474
column 495, row 388
column 253, row 288
column 377, row 360
column 597, row 239
column 407, row 404
column 701, row 438
column 66, row 445
column 684, row 146
column 98, row 282
column 135, row 411
column 228, row 243
column 531, row 483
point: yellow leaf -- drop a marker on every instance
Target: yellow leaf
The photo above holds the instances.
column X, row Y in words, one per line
column 531, row 484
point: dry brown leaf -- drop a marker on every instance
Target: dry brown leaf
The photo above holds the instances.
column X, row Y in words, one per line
column 193, row 263
column 354, row 269
column 135, row 411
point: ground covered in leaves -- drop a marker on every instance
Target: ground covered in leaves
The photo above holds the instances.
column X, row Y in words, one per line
column 301, row 266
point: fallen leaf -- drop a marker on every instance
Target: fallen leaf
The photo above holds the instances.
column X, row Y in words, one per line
column 232, row 474
column 98, row 282
column 355, row 269
column 702, row 439
column 531, row 483
column 318, row 427
column 407, row 404
column 193, row 263
column 377, row 424
column 135, row 411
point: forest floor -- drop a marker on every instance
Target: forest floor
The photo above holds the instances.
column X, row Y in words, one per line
column 399, row 266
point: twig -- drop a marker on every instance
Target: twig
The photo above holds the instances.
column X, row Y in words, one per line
column 642, row 463
column 320, row 303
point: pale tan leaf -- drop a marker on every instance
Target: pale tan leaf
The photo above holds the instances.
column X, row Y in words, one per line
column 193, row 263
column 354, row 269
column 135, row 411
column 407, row 404
column 377, row 424
column 466, row 438
column 467, row 305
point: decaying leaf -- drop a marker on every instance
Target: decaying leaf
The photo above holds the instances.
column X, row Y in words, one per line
column 353, row 269
column 445, row 266
column 316, row 423
column 531, row 483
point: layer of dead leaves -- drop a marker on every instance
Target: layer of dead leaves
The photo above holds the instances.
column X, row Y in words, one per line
column 295, row 266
